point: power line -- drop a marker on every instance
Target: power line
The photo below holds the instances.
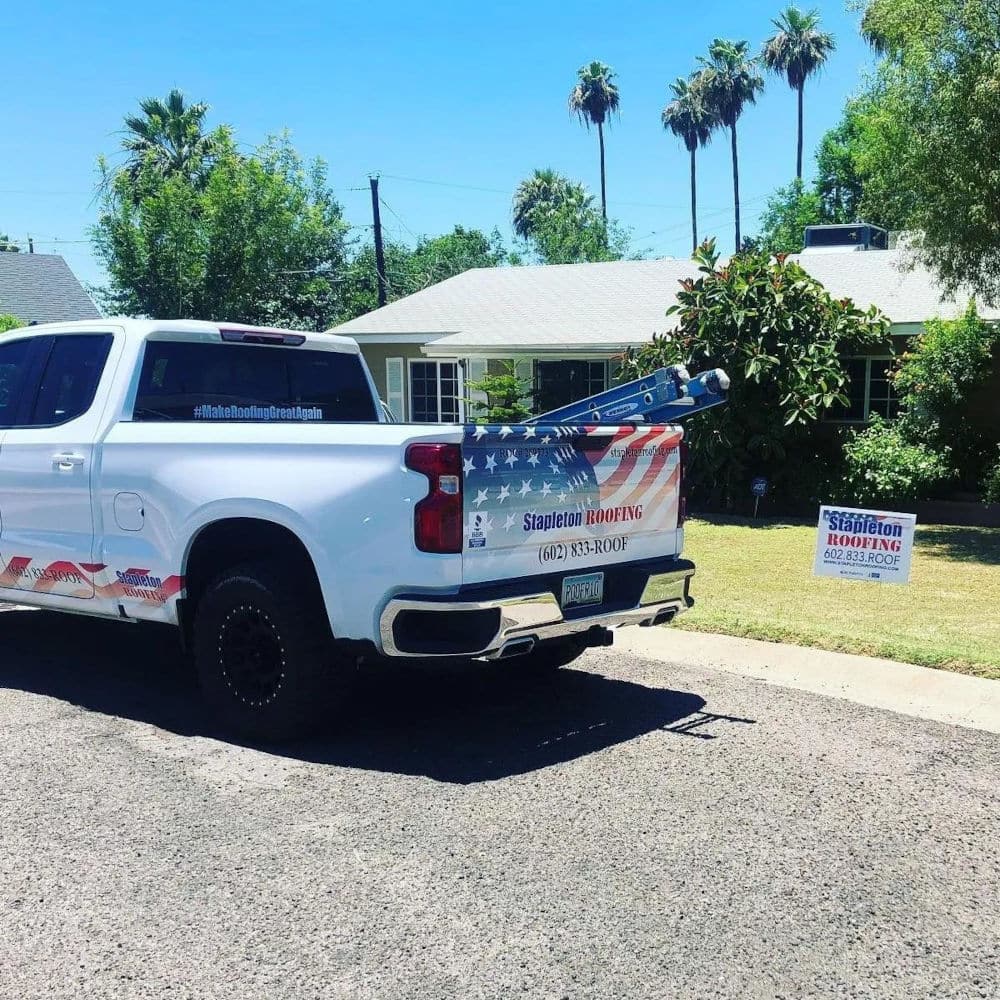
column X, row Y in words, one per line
column 398, row 219
column 448, row 184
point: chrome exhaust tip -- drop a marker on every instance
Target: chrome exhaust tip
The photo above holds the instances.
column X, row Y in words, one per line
column 516, row 647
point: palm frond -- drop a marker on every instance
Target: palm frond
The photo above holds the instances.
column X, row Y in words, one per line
column 595, row 97
column 798, row 49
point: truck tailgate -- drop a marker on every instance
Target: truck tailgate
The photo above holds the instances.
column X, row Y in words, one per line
column 547, row 498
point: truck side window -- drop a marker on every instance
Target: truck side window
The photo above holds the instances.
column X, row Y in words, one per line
column 214, row 383
column 14, row 363
column 70, row 380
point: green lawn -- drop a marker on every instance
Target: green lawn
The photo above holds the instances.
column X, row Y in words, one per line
column 756, row 581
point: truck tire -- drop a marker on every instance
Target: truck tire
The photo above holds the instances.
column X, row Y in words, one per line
column 548, row 656
column 264, row 653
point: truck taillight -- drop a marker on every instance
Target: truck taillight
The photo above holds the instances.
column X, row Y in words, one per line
column 682, row 499
column 437, row 519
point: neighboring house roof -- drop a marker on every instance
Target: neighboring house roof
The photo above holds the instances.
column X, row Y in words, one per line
column 576, row 307
column 41, row 288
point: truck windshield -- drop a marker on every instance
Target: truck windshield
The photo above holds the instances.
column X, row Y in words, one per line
column 204, row 382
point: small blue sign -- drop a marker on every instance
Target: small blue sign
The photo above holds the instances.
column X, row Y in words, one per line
column 759, row 487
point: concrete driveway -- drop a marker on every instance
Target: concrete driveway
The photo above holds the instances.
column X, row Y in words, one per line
column 640, row 826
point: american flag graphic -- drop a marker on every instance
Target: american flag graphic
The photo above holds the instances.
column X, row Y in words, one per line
column 570, row 481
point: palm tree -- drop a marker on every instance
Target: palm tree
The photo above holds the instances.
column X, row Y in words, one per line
column 542, row 193
column 731, row 82
column 593, row 100
column 797, row 50
column 690, row 118
column 169, row 135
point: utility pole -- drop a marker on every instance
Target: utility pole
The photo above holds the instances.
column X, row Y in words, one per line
column 379, row 249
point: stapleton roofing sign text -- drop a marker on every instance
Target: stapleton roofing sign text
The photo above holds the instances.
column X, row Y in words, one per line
column 864, row 544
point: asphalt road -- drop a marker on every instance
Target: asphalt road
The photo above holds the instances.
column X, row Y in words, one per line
column 628, row 829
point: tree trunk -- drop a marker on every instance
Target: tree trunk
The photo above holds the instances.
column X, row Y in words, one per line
column 736, row 184
column 798, row 155
column 604, row 193
column 694, row 206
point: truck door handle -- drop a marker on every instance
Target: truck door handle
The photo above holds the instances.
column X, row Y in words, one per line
column 67, row 460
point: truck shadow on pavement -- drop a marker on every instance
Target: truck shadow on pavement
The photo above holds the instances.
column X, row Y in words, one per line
column 448, row 722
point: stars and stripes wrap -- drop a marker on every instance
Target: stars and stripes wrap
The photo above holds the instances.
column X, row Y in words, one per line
column 609, row 480
column 61, row 578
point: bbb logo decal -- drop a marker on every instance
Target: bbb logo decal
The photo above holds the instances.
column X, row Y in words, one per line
column 478, row 526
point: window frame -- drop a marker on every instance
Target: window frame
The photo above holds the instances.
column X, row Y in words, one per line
column 537, row 376
column 39, row 355
column 27, row 386
column 459, row 385
column 866, row 418
column 45, row 357
column 158, row 338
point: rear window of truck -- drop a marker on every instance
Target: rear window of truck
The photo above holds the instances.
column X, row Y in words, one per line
column 215, row 383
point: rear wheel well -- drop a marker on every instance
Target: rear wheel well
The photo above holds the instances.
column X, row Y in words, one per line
column 236, row 541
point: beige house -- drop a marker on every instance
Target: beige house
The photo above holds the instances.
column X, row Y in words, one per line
column 565, row 325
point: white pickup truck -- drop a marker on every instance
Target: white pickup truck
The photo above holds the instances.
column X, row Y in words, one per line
column 246, row 486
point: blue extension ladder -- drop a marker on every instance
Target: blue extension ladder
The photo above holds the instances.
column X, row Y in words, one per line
column 662, row 397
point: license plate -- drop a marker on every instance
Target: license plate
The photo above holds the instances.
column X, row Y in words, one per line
column 578, row 591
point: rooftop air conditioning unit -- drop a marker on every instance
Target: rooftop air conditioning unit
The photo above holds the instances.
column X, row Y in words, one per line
column 848, row 236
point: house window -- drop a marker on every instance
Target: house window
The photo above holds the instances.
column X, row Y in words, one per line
column 869, row 390
column 435, row 392
column 558, row 383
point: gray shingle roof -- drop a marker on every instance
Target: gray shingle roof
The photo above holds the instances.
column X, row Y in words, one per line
column 590, row 306
column 41, row 288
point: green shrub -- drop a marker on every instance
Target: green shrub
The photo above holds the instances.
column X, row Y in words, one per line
column 882, row 466
column 991, row 484
column 780, row 336
column 8, row 321
column 935, row 378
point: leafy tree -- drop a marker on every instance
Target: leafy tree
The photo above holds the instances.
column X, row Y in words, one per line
column 797, row 51
column 409, row 270
column 839, row 181
column 691, row 119
column 6, row 246
column 169, row 137
column 858, row 176
column 782, row 223
column 731, row 83
column 593, row 100
column 257, row 239
column 507, row 396
column 438, row 258
column 932, row 137
column 780, row 336
column 571, row 234
column 8, row 321
column 540, row 195
column 359, row 284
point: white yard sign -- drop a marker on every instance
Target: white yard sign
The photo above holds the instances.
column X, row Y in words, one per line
column 864, row 544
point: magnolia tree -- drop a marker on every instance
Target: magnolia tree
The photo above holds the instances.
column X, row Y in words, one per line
column 780, row 336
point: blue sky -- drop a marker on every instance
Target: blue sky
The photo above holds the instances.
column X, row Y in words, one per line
column 469, row 96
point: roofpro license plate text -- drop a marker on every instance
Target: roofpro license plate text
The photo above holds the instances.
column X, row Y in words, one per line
column 577, row 591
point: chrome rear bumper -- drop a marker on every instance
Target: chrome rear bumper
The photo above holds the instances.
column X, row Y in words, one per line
column 413, row 627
